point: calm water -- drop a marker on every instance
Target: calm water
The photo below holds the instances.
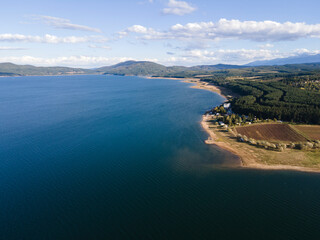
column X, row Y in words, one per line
column 104, row 157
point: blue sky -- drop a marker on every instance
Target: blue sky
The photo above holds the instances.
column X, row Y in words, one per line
column 171, row 32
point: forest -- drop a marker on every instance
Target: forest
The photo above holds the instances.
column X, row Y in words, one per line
column 277, row 99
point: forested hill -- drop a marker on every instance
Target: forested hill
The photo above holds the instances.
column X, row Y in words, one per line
column 145, row 68
column 288, row 95
column 10, row 69
column 142, row 68
column 135, row 68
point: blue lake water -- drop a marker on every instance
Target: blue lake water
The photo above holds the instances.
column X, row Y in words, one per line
column 110, row 157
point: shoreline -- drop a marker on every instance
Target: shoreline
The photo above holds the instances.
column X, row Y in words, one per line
column 198, row 85
column 247, row 161
column 247, row 157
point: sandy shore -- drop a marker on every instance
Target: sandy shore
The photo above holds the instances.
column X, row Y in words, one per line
column 247, row 157
column 200, row 85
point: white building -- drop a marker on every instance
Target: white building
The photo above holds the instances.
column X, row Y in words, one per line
column 226, row 105
column 221, row 123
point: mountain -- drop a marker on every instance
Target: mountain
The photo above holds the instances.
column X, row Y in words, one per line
column 306, row 58
column 10, row 69
column 214, row 67
column 138, row 68
column 145, row 68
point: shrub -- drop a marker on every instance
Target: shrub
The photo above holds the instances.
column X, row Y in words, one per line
column 292, row 145
column 252, row 141
column 300, row 146
column 309, row 145
column 273, row 146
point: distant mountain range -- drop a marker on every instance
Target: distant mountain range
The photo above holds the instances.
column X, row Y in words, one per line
column 306, row 58
column 10, row 69
column 136, row 68
column 146, row 68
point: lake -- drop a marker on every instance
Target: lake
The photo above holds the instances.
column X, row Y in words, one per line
column 113, row 157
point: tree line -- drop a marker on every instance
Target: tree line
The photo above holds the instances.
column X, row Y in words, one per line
column 273, row 99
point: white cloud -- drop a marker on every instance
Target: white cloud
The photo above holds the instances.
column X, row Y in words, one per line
column 63, row 23
column 267, row 45
column 190, row 58
column 231, row 29
column 303, row 51
column 8, row 37
column 11, row 48
column 70, row 61
column 178, row 8
column 138, row 29
column 101, row 47
column 234, row 56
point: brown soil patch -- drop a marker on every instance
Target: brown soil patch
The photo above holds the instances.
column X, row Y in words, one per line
column 271, row 132
column 311, row 131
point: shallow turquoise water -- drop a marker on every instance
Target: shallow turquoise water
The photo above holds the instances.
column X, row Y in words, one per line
column 106, row 157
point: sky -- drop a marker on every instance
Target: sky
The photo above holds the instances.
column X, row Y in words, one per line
column 171, row 32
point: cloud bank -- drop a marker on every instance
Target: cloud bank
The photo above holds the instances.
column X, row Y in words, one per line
column 191, row 58
column 236, row 56
column 69, row 61
column 231, row 29
column 47, row 38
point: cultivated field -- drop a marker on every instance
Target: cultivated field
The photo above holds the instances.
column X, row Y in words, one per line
column 271, row 132
column 310, row 131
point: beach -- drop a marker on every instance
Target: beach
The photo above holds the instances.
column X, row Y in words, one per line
column 250, row 157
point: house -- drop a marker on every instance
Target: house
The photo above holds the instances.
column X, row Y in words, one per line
column 226, row 105
column 221, row 123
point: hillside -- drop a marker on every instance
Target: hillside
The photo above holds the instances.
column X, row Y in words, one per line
column 288, row 93
column 145, row 68
column 214, row 67
column 138, row 68
column 10, row 69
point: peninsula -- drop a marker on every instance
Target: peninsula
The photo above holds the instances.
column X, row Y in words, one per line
column 260, row 142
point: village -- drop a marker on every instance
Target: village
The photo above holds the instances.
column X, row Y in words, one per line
column 224, row 116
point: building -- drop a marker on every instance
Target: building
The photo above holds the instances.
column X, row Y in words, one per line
column 221, row 123
column 226, row 105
